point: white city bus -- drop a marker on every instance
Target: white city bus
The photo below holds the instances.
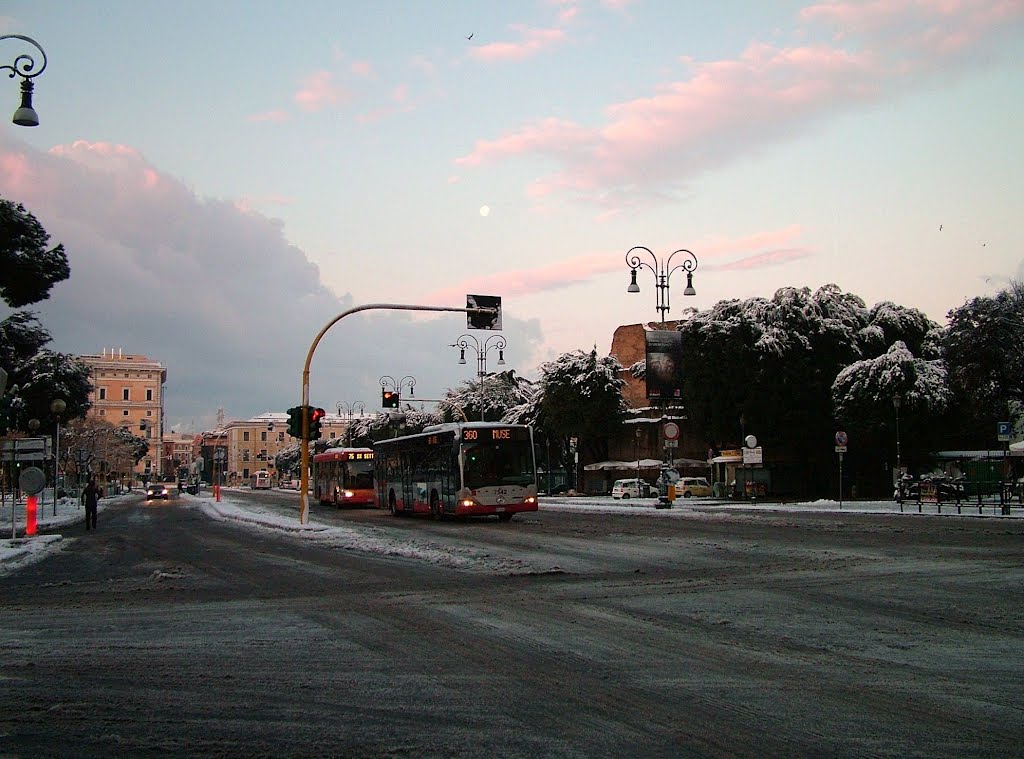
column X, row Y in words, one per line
column 458, row 469
column 260, row 480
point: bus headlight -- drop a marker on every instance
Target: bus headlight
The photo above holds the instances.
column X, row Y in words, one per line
column 530, row 499
column 467, row 502
column 348, row 494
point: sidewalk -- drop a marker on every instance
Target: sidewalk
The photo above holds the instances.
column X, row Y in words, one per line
column 15, row 546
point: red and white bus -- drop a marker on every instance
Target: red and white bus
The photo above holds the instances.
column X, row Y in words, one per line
column 458, row 469
column 344, row 477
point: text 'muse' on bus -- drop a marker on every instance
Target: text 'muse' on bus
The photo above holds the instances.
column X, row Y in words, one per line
column 460, row 469
column 344, row 477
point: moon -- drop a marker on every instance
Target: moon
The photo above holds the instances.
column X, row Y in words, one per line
column 485, row 210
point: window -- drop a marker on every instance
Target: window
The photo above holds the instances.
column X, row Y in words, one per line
column 245, row 435
column 263, row 436
column 149, row 394
column 263, row 455
column 280, row 437
column 332, row 435
column 124, row 413
column 245, row 454
column 103, row 393
column 124, row 394
column 103, row 412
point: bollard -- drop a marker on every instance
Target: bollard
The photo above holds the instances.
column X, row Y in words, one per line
column 31, row 507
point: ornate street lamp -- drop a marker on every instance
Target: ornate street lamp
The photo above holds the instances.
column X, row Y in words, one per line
column 662, row 271
column 350, row 409
column 25, row 67
column 494, row 342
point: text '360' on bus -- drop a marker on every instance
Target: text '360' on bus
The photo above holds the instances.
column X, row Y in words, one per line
column 344, row 477
column 459, row 469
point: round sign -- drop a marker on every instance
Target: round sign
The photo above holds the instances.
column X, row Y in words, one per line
column 32, row 480
column 671, row 431
column 841, row 438
column 750, row 441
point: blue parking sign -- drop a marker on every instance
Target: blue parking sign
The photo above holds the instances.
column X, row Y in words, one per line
column 1003, row 432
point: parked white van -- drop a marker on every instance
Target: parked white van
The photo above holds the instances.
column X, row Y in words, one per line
column 633, row 488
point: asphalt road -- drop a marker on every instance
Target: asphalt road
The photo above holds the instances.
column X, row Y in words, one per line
column 167, row 633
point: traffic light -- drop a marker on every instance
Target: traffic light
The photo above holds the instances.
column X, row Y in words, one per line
column 389, row 399
column 490, row 320
column 315, row 415
column 295, row 421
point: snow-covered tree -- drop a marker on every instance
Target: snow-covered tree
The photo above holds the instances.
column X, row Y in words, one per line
column 768, row 366
column 30, row 269
column 579, row 396
column 984, row 349
column 37, row 376
column 497, row 394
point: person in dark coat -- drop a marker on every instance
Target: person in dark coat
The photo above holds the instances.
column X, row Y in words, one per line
column 91, row 497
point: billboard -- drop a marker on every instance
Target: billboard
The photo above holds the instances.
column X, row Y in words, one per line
column 664, row 364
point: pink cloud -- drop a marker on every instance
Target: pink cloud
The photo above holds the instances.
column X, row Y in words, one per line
column 530, row 43
column 582, row 269
column 320, row 91
column 276, row 115
column 362, row 68
column 649, row 147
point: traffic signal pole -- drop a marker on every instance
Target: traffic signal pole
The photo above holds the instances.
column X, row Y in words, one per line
column 304, row 482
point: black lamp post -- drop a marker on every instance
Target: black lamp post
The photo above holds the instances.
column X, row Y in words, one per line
column 662, row 271
column 494, row 342
column 25, row 67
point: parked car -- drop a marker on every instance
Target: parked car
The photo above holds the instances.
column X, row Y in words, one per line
column 157, row 490
column 633, row 488
column 687, row 487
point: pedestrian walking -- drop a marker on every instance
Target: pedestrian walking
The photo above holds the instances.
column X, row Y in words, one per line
column 91, row 498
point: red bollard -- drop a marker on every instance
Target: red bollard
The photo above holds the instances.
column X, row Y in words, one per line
column 30, row 515
column 216, row 491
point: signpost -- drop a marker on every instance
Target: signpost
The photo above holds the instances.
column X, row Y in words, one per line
column 841, row 440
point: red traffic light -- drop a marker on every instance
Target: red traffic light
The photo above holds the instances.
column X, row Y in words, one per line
column 318, row 414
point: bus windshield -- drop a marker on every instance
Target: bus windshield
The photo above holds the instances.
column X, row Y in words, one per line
column 360, row 474
column 505, row 462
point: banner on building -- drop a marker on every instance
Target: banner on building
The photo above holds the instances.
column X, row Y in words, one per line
column 664, row 364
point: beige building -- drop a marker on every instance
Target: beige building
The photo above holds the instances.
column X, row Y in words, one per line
column 249, row 445
column 128, row 391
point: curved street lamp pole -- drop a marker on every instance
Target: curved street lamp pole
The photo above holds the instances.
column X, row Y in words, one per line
column 57, row 407
column 494, row 342
column 25, row 67
column 662, row 271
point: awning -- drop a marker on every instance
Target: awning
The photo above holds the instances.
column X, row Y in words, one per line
column 727, row 460
column 692, row 463
column 625, row 465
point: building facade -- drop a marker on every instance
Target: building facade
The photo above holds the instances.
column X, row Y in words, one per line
column 128, row 392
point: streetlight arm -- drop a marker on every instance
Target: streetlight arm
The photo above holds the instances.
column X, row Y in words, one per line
column 634, row 261
column 687, row 265
column 24, row 65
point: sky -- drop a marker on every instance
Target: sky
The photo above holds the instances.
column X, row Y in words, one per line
column 229, row 177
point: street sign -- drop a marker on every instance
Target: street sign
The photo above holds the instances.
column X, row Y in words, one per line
column 1003, row 432
column 671, row 431
column 32, row 480
column 842, row 438
column 753, row 455
column 840, row 449
column 26, row 449
column 671, row 443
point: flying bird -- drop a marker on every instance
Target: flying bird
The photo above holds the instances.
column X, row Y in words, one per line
column 470, row 35
column 940, row 227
